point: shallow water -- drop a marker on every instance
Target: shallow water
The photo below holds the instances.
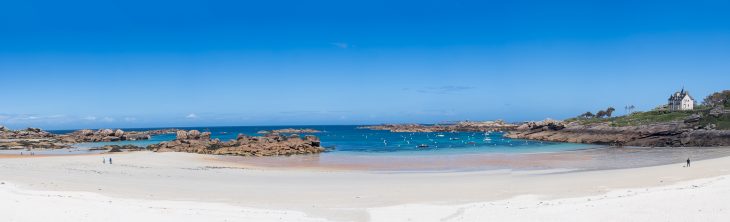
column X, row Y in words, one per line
column 600, row 158
column 349, row 140
column 374, row 150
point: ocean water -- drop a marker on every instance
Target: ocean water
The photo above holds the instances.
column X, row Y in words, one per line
column 349, row 140
column 351, row 148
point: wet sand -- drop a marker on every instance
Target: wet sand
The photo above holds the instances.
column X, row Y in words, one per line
column 602, row 158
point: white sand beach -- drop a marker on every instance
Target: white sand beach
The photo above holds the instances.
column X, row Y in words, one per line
column 146, row 186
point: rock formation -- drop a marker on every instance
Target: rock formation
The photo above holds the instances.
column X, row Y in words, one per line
column 669, row 134
column 29, row 133
column 181, row 135
column 37, row 138
column 123, row 148
column 289, row 131
column 270, row 145
column 32, row 143
column 29, row 138
column 109, row 135
column 119, row 133
column 465, row 126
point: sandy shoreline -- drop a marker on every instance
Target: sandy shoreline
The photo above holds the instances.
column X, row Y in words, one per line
column 199, row 182
column 594, row 158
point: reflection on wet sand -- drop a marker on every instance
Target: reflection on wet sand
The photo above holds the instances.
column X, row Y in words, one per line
column 588, row 159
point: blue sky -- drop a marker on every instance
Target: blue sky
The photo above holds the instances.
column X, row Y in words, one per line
column 88, row 64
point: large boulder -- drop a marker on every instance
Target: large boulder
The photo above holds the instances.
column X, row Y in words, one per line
column 106, row 132
column 693, row 118
column 110, row 139
column 313, row 139
column 118, row 148
column 135, row 136
column 33, row 130
column 718, row 111
column 182, row 135
column 118, row 133
column 193, row 134
column 86, row 132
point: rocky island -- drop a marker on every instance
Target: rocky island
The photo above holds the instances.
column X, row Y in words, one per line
column 463, row 126
column 273, row 144
column 29, row 138
column 38, row 138
column 289, row 131
column 109, row 135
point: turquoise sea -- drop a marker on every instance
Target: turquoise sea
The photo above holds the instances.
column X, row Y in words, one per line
column 350, row 147
column 351, row 140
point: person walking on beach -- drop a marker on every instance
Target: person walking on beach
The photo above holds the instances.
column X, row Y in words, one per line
column 688, row 162
column 103, row 160
column 110, row 160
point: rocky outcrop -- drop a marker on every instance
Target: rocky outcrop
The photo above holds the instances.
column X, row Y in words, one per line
column 192, row 135
column 118, row 148
column 289, row 131
column 547, row 124
column 718, row 111
column 119, row 133
column 123, row 148
column 465, row 126
column 32, row 143
column 29, row 138
column 181, row 135
column 109, row 135
column 269, row 145
column 37, row 138
column 29, row 133
column 670, row 134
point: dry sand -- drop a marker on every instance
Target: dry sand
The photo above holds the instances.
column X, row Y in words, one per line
column 145, row 186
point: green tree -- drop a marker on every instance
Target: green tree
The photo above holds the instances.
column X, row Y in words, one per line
column 587, row 115
column 609, row 111
column 718, row 99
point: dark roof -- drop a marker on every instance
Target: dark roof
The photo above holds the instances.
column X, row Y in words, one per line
column 680, row 95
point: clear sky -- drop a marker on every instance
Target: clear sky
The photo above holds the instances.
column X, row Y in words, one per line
column 87, row 64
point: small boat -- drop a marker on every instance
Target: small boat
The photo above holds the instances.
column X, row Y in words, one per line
column 455, row 138
column 423, row 146
column 440, row 135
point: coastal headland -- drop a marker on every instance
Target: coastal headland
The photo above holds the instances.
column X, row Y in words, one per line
column 702, row 127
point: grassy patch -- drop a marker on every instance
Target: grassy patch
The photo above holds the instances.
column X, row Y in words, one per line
column 638, row 118
column 587, row 121
column 643, row 118
column 722, row 122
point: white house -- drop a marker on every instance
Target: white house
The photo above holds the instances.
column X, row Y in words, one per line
column 681, row 101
